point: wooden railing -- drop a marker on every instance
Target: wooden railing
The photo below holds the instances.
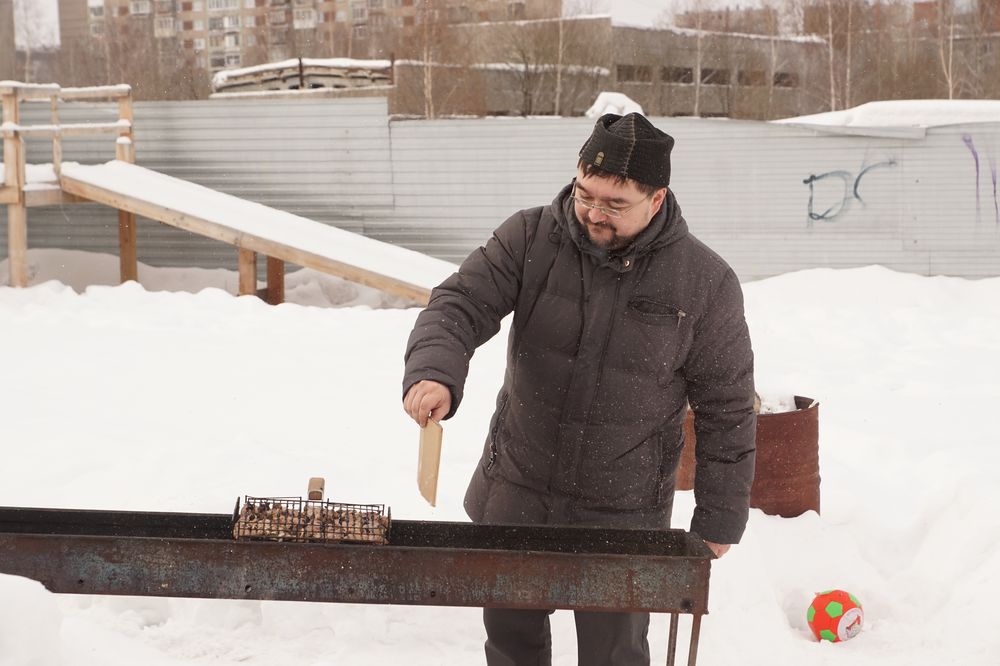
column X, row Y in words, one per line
column 13, row 192
column 76, row 184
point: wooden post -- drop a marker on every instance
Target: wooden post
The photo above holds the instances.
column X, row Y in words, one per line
column 125, row 112
column 56, row 138
column 17, row 244
column 275, row 281
column 17, row 212
column 248, row 272
column 128, row 255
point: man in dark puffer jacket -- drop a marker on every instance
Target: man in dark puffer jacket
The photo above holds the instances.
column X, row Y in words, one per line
column 621, row 317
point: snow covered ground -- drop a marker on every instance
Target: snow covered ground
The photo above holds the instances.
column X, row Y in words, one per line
column 121, row 397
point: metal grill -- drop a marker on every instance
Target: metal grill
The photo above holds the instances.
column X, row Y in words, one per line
column 297, row 519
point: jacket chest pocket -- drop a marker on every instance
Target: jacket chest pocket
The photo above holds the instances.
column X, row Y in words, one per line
column 650, row 338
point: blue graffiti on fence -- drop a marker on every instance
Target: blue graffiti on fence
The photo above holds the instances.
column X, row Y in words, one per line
column 851, row 191
column 970, row 144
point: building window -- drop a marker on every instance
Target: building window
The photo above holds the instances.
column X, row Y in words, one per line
column 715, row 77
column 250, row 4
column 304, row 19
column 197, row 6
column 215, row 23
column 215, row 41
column 164, row 6
column 96, row 11
column 231, row 22
column 360, row 32
column 250, row 39
column 635, row 73
column 341, row 15
column 164, row 26
column 97, row 29
column 515, row 10
column 217, row 61
column 215, row 5
column 276, row 17
column 138, row 7
column 199, row 25
column 751, row 77
column 249, row 21
column 360, row 13
column 677, row 75
column 232, row 40
column 375, row 4
column 199, row 44
column 786, row 80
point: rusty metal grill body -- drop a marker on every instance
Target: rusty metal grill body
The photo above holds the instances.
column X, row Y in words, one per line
column 303, row 520
column 424, row 563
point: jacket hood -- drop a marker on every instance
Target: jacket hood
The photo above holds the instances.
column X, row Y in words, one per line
column 668, row 226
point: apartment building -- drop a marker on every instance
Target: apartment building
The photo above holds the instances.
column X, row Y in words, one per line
column 233, row 33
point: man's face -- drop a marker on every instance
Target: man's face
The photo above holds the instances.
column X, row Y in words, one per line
column 607, row 231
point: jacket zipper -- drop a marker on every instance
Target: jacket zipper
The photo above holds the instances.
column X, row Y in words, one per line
column 493, row 433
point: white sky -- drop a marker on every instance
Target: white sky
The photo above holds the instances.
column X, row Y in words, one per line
column 127, row 398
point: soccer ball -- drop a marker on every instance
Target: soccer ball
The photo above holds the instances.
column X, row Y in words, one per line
column 835, row 615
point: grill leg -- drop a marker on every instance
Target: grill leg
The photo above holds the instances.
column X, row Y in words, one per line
column 672, row 640
column 695, row 634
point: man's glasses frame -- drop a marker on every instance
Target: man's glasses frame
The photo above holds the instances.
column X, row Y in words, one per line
column 610, row 212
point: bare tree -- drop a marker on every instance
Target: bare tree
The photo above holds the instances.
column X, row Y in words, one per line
column 946, row 45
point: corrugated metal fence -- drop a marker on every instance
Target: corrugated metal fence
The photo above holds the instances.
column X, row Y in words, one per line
column 769, row 198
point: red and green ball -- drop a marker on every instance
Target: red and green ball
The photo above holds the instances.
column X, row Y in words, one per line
column 835, row 615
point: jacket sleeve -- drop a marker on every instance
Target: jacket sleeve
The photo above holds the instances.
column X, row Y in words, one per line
column 465, row 311
column 720, row 387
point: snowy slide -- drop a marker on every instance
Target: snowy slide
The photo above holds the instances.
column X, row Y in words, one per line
column 256, row 227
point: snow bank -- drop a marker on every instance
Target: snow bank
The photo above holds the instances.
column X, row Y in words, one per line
column 612, row 102
column 29, row 624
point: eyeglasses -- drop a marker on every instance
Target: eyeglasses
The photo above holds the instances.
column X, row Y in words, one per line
column 610, row 212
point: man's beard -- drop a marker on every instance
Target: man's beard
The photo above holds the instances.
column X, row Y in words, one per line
column 604, row 241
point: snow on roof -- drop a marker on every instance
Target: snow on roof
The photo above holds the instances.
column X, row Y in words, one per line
column 262, row 222
column 691, row 32
column 511, row 66
column 906, row 113
column 220, row 78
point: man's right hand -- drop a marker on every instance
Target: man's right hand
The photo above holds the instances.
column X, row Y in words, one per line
column 426, row 399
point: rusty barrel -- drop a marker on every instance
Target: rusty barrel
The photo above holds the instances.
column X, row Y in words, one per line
column 787, row 473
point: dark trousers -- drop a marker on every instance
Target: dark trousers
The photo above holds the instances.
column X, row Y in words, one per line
column 522, row 638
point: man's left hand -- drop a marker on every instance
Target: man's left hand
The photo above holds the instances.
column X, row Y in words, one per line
column 719, row 549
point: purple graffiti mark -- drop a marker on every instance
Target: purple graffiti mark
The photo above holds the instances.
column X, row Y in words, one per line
column 996, row 204
column 850, row 192
column 970, row 144
column 967, row 140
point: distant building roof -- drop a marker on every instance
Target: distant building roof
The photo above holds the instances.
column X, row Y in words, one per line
column 906, row 113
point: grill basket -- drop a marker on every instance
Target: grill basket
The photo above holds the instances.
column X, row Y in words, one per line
column 297, row 519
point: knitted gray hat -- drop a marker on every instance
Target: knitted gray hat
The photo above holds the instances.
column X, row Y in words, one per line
column 631, row 147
